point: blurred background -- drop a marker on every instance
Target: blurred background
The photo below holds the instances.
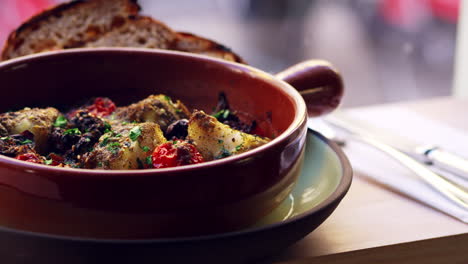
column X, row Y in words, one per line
column 387, row 50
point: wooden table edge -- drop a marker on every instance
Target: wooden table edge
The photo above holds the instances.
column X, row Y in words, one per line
column 447, row 249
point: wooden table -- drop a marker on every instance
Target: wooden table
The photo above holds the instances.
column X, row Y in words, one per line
column 375, row 225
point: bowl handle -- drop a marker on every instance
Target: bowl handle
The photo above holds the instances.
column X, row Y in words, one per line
column 319, row 83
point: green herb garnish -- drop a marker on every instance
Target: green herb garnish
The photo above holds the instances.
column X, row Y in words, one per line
column 168, row 99
column 149, row 161
column 226, row 113
column 48, row 161
column 104, row 141
column 238, row 147
column 72, row 131
column 114, row 147
column 61, row 121
column 145, row 148
column 222, row 114
column 107, row 127
column 26, row 141
column 135, row 133
column 114, row 144
column 224, row 153
column 5, row 138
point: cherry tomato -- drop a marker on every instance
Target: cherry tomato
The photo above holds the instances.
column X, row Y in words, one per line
column 175, row 153
column 102, row 107
column 30, row 157
column 55, row 159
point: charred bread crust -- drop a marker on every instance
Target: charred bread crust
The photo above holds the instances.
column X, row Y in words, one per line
column 32, row 23
column 180, row 41
column 192, row 43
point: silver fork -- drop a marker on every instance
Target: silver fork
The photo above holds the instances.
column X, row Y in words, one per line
column 452, row 191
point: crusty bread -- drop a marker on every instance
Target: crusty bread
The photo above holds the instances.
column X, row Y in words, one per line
column 195, row 44
column 68, row 25
column 103, row 23
column 140, row 31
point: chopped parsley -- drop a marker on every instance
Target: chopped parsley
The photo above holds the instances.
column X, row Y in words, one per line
column 104, row 141
column 72, row 131
column 178, row 110
column 168, row 99
column 222, row 114
column 114, row 147
column 26, row 141
column 238, row 147
column 145, row 148
column 107, row 127
column 135, row 133
column 48, row 161
column 114, row 144
column 61, row 121
column 149, row 161
column 224, row 153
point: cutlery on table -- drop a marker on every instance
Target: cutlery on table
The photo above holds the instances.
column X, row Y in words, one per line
column 429, row 154
column 413, row 160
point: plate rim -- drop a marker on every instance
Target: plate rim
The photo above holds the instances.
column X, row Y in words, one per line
column 338, row 194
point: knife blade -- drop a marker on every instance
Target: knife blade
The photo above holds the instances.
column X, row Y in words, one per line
column 426, row 153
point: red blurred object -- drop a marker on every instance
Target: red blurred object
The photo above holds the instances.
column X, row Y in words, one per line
column 14, row 12
column 406, row 13
column 446, row 9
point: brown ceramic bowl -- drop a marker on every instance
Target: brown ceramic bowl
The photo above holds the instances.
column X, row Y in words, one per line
column 211, row 197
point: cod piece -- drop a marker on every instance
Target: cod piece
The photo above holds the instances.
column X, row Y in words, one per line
column 159, row 109
column 216, row 140
column 126, row 146
column 36, row 120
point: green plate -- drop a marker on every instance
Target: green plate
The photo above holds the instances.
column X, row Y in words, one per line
column 324, row 181
column 321, row 174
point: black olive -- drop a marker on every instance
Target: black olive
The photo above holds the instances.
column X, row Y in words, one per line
column 60, row 142
column 178, row 129
column 86, row 122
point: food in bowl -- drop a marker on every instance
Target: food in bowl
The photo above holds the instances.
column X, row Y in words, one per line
column 153, row 133
column 211, row 197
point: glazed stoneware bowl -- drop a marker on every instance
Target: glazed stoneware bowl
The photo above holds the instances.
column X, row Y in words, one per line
column 212, row 197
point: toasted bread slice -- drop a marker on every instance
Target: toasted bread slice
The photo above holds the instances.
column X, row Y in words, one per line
column 191, row 43
column 68, row 25
column 104, row 23
column 140, row 31
column 145, row 32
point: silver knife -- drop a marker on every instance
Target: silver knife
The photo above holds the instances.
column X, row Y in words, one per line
column 428, row 154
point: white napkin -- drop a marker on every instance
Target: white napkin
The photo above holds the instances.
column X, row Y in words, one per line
column 384, row 170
